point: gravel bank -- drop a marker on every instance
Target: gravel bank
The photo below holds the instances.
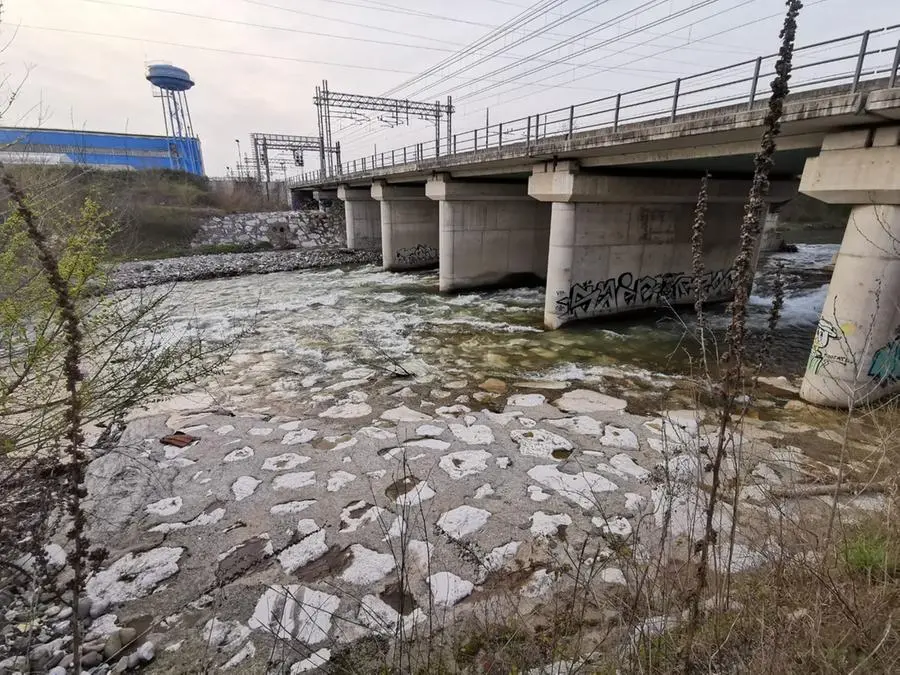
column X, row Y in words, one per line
column 192, row 268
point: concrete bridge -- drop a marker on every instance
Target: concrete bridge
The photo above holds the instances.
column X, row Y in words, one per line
column 604, row 214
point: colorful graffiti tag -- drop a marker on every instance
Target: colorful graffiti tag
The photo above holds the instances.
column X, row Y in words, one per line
column 885, row 365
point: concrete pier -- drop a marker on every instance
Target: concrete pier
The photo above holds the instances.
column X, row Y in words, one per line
column 363, row 217
column 619, row 244
column 490, row 233
column 855, row 355
column 409, row 226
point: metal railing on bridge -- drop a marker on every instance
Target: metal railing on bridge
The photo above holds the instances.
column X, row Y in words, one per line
column 848, row 60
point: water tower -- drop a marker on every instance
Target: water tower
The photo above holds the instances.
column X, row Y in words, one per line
column 171, row 84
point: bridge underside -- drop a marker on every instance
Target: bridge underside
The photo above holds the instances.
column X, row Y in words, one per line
column 606, row 218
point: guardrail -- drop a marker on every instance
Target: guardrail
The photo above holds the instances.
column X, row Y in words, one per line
column 851, row 60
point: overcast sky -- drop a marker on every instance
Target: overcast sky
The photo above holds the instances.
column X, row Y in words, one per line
column 87, row 57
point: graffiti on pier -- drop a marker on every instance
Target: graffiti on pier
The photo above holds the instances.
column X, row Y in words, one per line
column 417, row 255
column 886, row 363
column 826, row 331
column 626, row 291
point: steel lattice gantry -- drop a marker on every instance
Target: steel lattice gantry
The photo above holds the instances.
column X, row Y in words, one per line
column 394, row 112
column 264, row 144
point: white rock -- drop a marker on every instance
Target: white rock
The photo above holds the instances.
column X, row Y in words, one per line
column 404, row 414
column 429, row 430
column 634, row 503
column 225, row 429
column 463, row 520
column 587, row 401
column 477, row 434
column 205, row 518
column 248, row 651
column 429, row 444
column 306, row 526
column 422, row 492
column 378, row 434
column 484, row 491
column 546, row 525
column 338, row 479
column 313, row 662
column 133, row 576
column 540, row 443
column 619, row 437
column 579, row 488
column 347, row 411
column 586, row 426
column 500, row 556
column 285, row 462
column 237, row 455
column 291, row 507
column 536, row 494
column 540, row 583
column 164, row 507
column 464, row 463
column 617, row 526
column 626, row 465
column 503, row 462
column 613, row 575
column 303, row 552
column 526, row 400
column 351, row 522
column 260, row 431
column 244, row 486
column 291, row 426
column 527, row 422
column 298, row 437
column 447, row 589
column 294, row 481
column 367, row 566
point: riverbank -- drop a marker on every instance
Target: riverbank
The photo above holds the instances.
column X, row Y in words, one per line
column 140, row 274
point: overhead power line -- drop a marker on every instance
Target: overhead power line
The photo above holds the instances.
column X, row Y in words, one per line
column 236, row 52
column 612, row 40
column 285, row 29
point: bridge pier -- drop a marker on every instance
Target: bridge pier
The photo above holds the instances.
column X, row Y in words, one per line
column 623, row 243
column 855, row 356
column 363, row 218
column 409, row 226
column 490, row 233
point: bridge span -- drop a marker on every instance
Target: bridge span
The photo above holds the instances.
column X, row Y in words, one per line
column 598, row 200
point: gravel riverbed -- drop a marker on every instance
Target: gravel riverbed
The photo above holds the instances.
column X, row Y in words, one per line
column 137, row 274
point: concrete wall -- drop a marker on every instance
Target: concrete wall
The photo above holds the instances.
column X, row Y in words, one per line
column 855, row 355
column 280, row 229
column 490, row 233
column 363, row 216
column 613, row 258
column 409, row 227
column 623, row 243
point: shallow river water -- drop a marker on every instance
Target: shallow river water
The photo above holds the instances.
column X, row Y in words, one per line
column 306, row 329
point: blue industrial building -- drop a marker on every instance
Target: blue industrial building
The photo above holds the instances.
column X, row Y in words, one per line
column 100, row 150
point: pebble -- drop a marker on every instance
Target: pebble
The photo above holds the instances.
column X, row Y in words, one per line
column 52, row 611
column 91, row 659
column 64, row 613
column 146, row 652
column 99, row 608
column 84, row 608
column 192, row 268
column 57, row 670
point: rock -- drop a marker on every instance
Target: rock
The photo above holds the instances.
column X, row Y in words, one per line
column 84, row 608
column 127, row 635
column 121, row 665
column 98, row 608
column 57, row 670
column 587, row 401
column 493, row 385
column 67, row 661
column 52, row 611
column 779, row 386
column 113, row 645
column 64, row 613
column 146, row 652
column 91, row 659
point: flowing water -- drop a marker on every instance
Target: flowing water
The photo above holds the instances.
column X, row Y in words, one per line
column 308, row 328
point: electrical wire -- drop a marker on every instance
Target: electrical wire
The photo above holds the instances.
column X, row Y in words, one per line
column 235, row 22
column 218, row 50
